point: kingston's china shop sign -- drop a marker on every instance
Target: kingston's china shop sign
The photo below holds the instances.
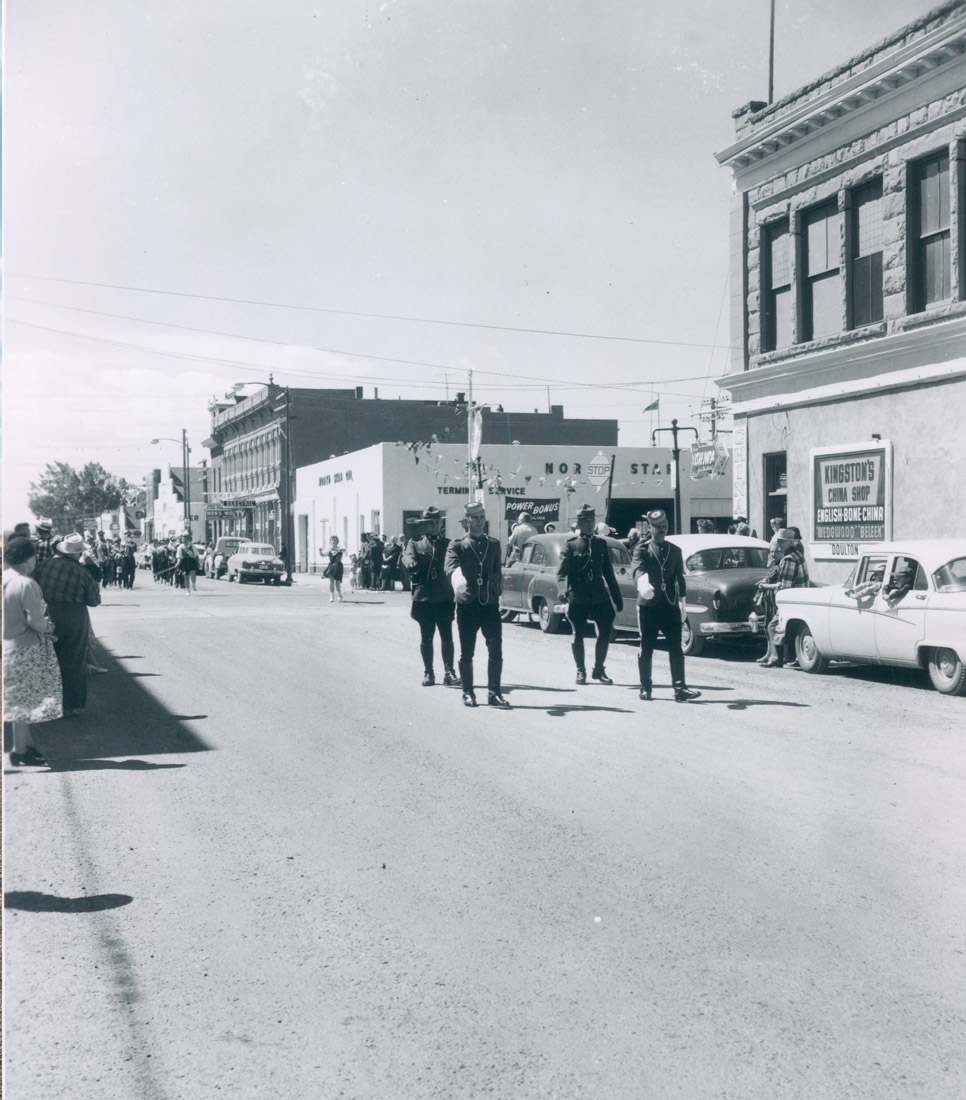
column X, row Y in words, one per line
column 851, row 499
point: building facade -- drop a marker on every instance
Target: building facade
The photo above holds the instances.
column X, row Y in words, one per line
column 259, row 440
column 381, row 489
column 169, row 504
column 848, row 283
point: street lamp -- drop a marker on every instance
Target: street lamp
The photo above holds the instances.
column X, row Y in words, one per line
column 676, row 455
column 185, row 451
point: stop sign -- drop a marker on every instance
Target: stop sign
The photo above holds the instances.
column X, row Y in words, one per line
column 598, row 469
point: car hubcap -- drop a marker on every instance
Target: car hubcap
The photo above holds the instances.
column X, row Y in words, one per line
column 808, row 647
column 947, row 662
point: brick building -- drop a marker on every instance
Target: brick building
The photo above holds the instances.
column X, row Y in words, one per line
column 258, row 441
column 848, row 282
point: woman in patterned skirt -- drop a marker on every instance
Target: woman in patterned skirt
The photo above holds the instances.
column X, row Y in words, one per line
column 32, row 687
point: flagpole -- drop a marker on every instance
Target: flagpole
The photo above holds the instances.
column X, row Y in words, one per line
column 469, row 440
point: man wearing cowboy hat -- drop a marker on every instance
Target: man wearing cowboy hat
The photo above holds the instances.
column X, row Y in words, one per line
column 659, row 571
column 585, row 576
column 433, row 605
column 473, row 565
column 69, row 591
column 42, row 541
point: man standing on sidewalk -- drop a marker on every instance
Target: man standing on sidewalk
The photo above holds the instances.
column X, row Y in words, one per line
column 662, row 564
column 433, row 605
column 69, row 591
column 473, row 564
column 586, row 580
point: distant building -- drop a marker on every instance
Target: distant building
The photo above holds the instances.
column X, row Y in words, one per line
column 848, row 280
column 258, row 441
column 169, row 504
column 382, row 489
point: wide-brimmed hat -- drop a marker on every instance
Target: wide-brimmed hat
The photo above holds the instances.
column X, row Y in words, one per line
column 474, row 508
column 72, row 545
column 432, row 513
column 44, row 524
column 786, row 534
column 586, row 512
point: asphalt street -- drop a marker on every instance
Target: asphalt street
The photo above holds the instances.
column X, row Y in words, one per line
column 267, row 862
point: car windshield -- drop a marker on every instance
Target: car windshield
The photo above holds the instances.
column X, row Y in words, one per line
column 951, row 577
column 728, row 557
column 261, row 551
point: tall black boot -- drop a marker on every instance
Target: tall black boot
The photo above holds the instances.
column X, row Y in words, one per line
column 466, row 676
column 644, row 669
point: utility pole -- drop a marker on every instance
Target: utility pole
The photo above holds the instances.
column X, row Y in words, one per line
column 771, row 54
column 185, row 449
column 676, row 455
column 469, row 437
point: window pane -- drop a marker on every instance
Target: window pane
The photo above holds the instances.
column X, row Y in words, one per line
column 780, row 257
column 936, row 269
column 867, row 207
column 867, row 290
column 826, row 305
column 821, row 241
column 934, row 196
column 782, row 318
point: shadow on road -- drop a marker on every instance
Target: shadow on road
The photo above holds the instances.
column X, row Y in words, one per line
column 744, row 704
column 561, row 710
column 122, row 719
column 35, row 902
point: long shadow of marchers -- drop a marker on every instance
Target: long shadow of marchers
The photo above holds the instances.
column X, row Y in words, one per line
column 123, row 719
column 561, row 710
column 744, row 704
column 33, row 901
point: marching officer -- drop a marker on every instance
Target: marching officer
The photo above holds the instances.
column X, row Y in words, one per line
column 433, row 605
column 661, row 609
column 584, row 577
column 474, row 565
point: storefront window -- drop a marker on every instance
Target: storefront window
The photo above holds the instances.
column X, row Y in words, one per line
column 775, row 481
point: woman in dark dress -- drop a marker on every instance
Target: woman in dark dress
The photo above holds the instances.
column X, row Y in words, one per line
column 334, row 569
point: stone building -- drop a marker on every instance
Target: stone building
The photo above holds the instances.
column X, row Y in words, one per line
column 848, row 282
column 259, row 440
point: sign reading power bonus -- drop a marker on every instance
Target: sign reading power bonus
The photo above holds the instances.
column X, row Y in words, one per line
column 851, row 499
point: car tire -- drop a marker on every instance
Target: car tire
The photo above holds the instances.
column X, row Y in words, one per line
column 807, row 653
column 692, row 643
column 947, row 672
column 550, row 620
column 230, row 578
column 507, row 616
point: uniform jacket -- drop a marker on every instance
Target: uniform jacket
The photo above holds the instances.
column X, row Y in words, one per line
column 665, row 567
column 479, row 560
column 425, row 559
column 586, row 573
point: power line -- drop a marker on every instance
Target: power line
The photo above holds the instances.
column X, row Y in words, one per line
column 374, row 316
column 539, row 383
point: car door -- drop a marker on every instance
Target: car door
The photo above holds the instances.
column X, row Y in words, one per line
column 539, row 580
column 513, row 581
column 900, row 624
column 621, row 560
column 851, row 620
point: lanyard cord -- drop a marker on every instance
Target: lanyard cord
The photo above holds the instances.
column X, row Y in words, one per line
column 661, row 565
column 481, row 579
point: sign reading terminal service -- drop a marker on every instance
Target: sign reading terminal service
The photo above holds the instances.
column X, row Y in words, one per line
column 851, row 499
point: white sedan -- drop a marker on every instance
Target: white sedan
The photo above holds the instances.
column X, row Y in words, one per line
column 904, row 604
column 255, row 561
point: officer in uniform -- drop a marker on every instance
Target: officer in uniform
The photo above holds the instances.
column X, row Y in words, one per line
column 473, row 564
column 433, row 605
column 584, row 577
column 662, row 563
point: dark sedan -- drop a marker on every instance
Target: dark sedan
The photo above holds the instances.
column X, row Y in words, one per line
column 722, row 572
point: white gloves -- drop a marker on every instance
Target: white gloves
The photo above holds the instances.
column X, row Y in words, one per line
column 459, row 581
column 684, row 610
column 644, row 587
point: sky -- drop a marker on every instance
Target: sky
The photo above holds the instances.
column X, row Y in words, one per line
column 390, row 195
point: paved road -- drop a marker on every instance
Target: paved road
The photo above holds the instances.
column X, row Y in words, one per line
column 266, row 862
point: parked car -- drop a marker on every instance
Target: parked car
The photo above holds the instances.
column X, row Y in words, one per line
column 217, row 562
column 904, row 604
column 722, row 573
column 256, row 561
column 530, row 584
